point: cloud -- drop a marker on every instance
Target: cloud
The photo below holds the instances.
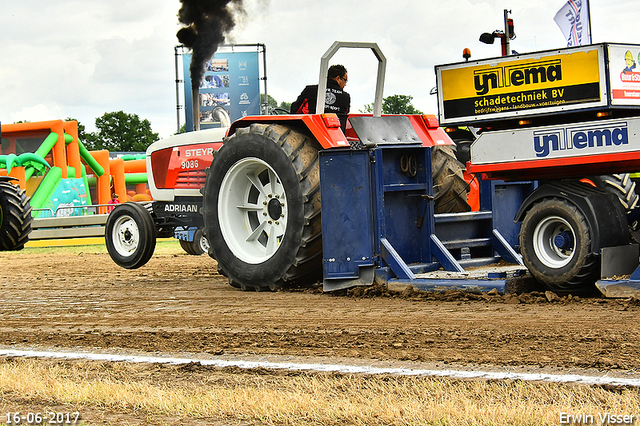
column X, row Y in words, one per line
column 84, row 58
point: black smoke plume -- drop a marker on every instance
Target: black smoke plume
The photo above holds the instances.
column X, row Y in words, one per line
column 207, row 22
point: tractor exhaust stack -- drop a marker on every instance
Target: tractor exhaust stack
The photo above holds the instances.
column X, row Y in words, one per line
column 195, row 95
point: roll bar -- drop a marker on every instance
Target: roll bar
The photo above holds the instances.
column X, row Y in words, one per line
column 324, row 68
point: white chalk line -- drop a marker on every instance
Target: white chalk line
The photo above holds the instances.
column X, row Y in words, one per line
column 334, row 368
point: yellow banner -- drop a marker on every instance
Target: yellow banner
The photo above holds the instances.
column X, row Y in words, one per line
column 509, row 76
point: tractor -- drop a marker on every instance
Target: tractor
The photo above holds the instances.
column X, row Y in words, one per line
column 291, row 199
column 253, row 190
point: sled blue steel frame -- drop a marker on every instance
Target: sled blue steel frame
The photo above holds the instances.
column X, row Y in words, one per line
column 378, row 222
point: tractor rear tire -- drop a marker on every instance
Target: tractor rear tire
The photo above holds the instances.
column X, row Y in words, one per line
column 130, row 235
column 622, row 186
column 198, row 246
column 555, row 244
column 449, row 187
column 261, row 208
column 15, row 217
column 463, row 151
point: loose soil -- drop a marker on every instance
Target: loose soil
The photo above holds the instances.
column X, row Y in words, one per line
column 178, row 303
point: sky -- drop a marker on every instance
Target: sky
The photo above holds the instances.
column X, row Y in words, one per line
column 83, row 58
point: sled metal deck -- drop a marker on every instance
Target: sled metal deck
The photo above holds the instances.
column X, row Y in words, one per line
column 379, row 224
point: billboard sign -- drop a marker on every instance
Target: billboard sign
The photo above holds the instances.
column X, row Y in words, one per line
column 513, row 86
column 231, row 81
column 624, row 67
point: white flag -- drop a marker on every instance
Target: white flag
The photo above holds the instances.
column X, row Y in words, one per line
column 573, row 20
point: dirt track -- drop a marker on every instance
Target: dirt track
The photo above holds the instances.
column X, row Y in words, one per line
column 178, row 303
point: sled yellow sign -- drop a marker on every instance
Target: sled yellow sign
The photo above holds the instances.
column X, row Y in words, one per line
column 521, row 85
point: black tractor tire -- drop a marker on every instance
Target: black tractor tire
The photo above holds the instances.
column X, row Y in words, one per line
column 198, row 246
column 261, row 208
column 463, row 151
column 15, row 217
column 450, row 190
column 555, row 244
column 622, row 186
column 130, row 235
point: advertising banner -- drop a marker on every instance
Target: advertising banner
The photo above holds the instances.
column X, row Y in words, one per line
column 625, row 74
column 521, row 85
column 558, row 141
column 231, row 81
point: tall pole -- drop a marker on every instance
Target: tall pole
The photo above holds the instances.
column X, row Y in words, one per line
column 178, row 81
column 507, row 45
column 589, row 13
column 264, row 67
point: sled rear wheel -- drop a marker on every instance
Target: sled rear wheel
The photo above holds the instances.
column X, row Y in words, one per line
column 556, row 246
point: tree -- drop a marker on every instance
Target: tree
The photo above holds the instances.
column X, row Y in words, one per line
column 285, row 105
column 119, row 131
column 395, row 104
column 272, row 104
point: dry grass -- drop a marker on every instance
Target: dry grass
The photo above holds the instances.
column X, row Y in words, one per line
column 260, row 397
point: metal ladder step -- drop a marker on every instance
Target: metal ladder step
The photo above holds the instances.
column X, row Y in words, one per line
column 462, row 217
column 472, row 242
column 479, row 261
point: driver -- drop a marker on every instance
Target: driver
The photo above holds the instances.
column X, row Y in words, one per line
column 337, row 101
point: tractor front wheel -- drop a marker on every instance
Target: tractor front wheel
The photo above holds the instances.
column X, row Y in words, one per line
column 130, row 235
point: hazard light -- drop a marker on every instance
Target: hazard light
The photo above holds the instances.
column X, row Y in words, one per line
column 331, row 120
column 432, row 121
